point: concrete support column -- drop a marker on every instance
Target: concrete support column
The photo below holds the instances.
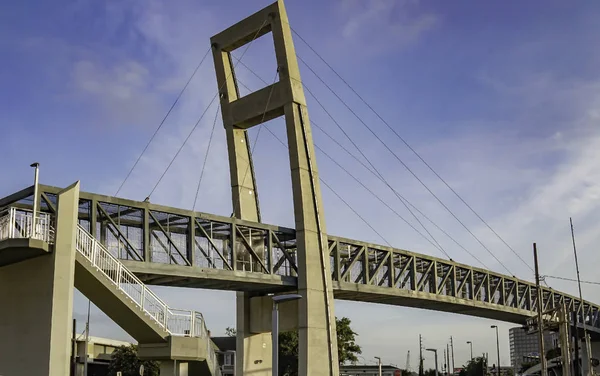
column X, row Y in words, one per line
column 254, row 349
column 36, row 321
column 169, row 368
column 584, row 356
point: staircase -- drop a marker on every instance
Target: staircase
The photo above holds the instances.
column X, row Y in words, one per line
column 119, row 293
column 139, row 312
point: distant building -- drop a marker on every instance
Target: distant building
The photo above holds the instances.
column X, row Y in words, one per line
column 369, row 370
column 226, row 354
column 525, row 347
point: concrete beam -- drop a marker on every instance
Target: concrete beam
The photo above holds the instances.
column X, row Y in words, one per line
column 175, row 348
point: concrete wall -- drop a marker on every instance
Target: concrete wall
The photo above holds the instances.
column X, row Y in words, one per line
column 37, row 303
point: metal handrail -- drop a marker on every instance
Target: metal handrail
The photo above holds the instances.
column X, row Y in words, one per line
column 18, row 224
column 176, row 322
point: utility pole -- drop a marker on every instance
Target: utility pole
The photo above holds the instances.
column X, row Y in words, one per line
column 588, row 345
column 448, row 359
column 576, row 370
column 74, row 349
column 563, row 331
column 421, row 371
column 444, row 369
column 539, row 313
column 87, row 340
column 452, row 348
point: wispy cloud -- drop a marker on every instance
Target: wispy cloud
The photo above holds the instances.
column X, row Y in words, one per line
column 379, row 26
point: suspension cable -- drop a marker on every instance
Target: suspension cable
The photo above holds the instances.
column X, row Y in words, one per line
column 410, row 147
column 212, row 132
column 361, row 183
column 400, row 197
column 337, row 194
column 381, row 177
column 163, row 121
column 251, row 151
column 207, row 107
column 403, row 164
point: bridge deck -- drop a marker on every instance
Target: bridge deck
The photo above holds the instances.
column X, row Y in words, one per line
column 177, row 247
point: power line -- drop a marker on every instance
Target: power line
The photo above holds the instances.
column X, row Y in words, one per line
column 163, row 121
column 207, row 107
column 212, row 131
column 410, row 147
column 570, row 279
column 402, row 162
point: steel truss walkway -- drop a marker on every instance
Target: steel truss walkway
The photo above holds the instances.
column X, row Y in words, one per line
column 175, row 247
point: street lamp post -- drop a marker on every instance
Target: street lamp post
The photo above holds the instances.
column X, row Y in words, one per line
column 471, row 344
column 497, row 349
column 275, row 327
column 379, row 362
column 36, row 166
column 436, row 360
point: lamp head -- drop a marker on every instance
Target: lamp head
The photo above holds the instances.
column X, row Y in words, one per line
column 286, row 297
column 34, row 165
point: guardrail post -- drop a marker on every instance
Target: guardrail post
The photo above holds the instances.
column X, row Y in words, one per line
column 166, row 312
column 11, row 223
column 118, row 276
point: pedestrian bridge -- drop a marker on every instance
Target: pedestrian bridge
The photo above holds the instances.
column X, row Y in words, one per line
column 176, row 247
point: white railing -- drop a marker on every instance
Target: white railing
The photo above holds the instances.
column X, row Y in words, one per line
column 18, row 223
column 175, row 321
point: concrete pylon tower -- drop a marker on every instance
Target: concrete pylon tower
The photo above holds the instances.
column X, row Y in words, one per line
column 316, row 319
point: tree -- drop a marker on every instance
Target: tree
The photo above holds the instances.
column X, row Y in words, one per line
column 429, row 372
column 230, row 332
column 125, row 360
column 528, row 365
column 288, row 347
column 346, row 341
column 474, row 367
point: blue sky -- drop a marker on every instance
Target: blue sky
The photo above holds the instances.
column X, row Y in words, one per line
column 501, row 98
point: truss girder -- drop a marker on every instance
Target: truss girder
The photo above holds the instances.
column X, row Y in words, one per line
column 139, row 230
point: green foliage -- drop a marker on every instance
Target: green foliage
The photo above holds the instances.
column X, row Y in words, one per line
column 230, row 332
column 125, row 359
column 429, row 372
column 553, row 353
column 346, row 341
column 347, row 347
column 526, row 366
column 474, row 367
